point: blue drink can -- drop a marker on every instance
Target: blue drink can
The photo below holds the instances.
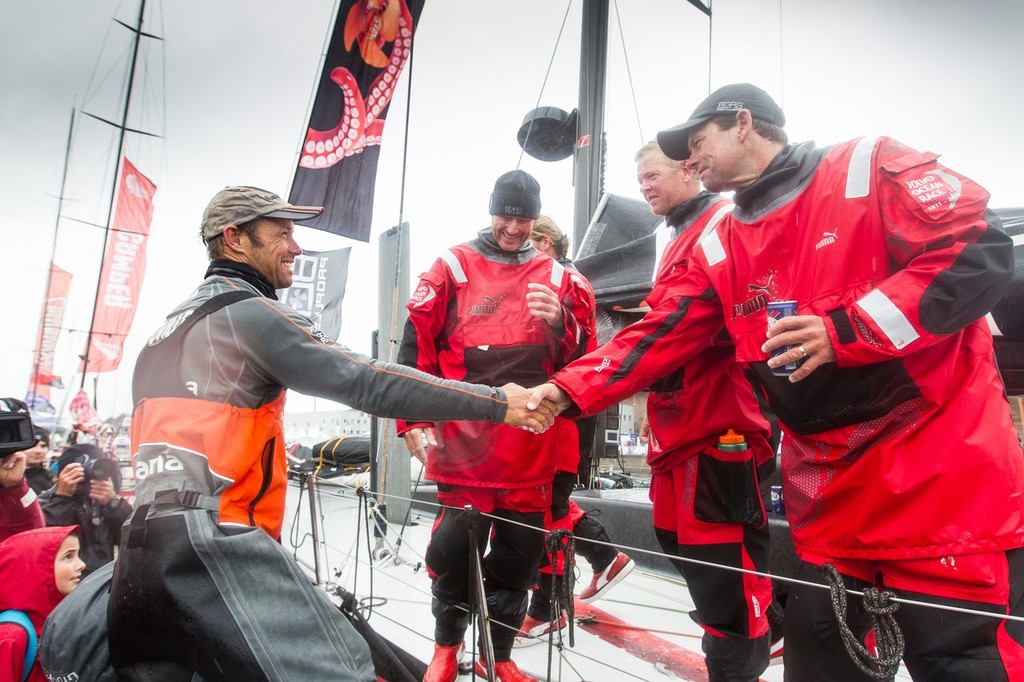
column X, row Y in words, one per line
column 776, row 311
column 778, row 504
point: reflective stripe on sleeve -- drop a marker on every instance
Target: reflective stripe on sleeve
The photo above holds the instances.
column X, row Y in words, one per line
column 710, row 242
column 455, row 266
column 890, row 319
column 858, row 175
column 662, row 238
column 557, row 270
column 715, row 219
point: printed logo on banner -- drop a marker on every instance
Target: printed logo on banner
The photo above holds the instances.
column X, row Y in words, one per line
column 318, row 287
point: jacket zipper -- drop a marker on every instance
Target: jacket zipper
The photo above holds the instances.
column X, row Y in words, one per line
column 267, row 461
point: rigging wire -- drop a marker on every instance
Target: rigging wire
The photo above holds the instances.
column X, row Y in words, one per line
column 547, row 73
column 629, row 75
column 782, row 72
column 567, row 656
column 711, row 37
column 711, row 564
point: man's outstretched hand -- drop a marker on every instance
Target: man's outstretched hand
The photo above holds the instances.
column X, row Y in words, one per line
column 536, row 417
column 549, row 393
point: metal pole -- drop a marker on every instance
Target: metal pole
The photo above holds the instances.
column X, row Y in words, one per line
column 117, row 175
column 314, row 526
column 589, row 179
column 53, row 255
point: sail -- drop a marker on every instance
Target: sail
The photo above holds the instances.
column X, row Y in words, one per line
column 337, row 167
column 124, row 265
column 49, row 329
column 318, row 288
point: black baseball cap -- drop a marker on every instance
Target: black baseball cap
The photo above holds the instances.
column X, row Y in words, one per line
column 727, row 99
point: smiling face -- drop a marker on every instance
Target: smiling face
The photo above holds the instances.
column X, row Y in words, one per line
column 271, row 249
column 718, row 158
column 510, row 231
column 663, row 183
column 68, row 566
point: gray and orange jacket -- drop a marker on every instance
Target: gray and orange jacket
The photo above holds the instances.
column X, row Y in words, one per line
column 209, row 391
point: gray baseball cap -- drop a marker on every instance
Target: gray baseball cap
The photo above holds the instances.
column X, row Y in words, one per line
column 237, row 205
column 727, row 99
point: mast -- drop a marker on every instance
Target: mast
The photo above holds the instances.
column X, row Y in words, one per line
column 589, row 177
column 53, row 256
column 123, row 128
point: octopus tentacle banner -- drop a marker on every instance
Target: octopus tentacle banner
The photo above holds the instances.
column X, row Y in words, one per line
column 369, row 46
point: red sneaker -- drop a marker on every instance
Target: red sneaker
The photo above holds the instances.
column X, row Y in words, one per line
column 444, row 666
column 504, row 671
column 536, row 631
column 608, row 578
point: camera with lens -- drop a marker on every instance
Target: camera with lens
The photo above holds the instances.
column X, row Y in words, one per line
column 95, row 465
column 96, row 468
column 16, row 432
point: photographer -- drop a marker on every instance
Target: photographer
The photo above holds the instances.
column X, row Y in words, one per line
column 19, row 507
column 86, row 495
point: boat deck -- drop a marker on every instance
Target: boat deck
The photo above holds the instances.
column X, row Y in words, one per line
column 640, row 631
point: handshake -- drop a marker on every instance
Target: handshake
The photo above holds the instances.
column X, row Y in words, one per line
column 534, row 409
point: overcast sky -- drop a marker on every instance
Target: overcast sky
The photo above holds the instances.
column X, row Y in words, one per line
column 230, row 87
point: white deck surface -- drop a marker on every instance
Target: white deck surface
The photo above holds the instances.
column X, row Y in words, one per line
column 662, row 642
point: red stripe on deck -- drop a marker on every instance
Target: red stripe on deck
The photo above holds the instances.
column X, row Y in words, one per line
column 642, row 644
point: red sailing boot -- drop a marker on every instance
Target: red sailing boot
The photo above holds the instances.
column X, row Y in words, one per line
column 444, row 666
column 504, row 671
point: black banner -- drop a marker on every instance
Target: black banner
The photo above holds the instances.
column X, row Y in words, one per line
column 337, row 166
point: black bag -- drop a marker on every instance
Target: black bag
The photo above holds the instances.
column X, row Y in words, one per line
column 74, row 642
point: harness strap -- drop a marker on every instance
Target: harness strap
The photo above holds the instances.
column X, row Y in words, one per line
column 21, row 618
column 189, row 499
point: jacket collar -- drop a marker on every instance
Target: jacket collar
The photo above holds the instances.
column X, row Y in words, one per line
column 232, row 268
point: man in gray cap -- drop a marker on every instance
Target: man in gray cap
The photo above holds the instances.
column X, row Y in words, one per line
column 492, row 309
column 901, row 466
column 202, row 548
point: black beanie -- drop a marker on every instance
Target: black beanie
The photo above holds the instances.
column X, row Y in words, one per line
column 516, row 193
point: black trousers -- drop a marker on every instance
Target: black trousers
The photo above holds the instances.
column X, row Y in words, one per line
column 189, row 596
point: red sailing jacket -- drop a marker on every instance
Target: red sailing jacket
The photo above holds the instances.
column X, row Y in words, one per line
column 19, row 509
column 26, row 573
column 904, row 447
column 710, row 394
column 468, row 320
column 568, row 433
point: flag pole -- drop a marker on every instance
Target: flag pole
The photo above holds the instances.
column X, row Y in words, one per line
column 53, row 256
column 117, row 175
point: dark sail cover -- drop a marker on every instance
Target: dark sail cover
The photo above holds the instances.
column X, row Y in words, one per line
column 337, row 168
column 1008, row 314
column 618, row 252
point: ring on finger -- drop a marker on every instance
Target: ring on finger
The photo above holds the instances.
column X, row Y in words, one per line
column 803, row 351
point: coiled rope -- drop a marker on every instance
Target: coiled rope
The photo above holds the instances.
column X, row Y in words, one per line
column 888, row 636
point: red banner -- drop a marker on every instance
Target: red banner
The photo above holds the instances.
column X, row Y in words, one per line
column 49, row 329
column 84, row 413
column 124, row 265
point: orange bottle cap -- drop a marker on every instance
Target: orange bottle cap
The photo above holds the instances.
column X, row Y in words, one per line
column 731, row 438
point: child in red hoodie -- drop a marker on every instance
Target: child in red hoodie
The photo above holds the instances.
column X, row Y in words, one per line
column 38, row 568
